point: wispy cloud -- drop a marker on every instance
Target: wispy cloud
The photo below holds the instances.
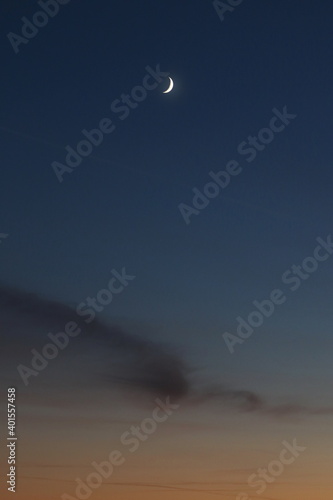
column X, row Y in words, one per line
column 121, row 359
column 129, row 360
column 248, row 401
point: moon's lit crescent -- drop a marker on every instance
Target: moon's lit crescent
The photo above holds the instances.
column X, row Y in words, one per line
column 170, row 87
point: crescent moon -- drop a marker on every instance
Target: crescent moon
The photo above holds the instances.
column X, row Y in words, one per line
column 170, row 87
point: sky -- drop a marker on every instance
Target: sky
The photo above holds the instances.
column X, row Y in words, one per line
column 188, row 214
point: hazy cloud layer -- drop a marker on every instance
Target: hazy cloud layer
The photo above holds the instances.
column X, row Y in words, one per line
column 123, row 359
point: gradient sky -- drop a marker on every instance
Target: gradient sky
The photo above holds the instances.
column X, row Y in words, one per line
column 163, row 335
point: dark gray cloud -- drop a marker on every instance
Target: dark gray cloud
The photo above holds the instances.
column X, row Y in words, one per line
column 123, row 359
column 128, row 359
column 249, row 401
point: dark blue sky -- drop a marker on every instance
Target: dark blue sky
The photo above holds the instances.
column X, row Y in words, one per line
column 163, row 334
column 120, row 206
